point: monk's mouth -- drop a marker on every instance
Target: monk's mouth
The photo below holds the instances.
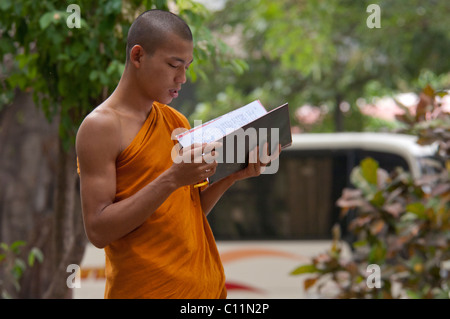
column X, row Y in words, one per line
column 173, row 93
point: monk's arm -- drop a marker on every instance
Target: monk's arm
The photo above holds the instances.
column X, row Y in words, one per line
column 106, row 220
column 211, row 195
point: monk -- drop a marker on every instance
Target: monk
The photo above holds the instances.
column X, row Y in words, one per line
column 138, row 203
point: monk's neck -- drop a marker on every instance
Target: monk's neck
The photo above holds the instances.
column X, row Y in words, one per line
column 127, row 95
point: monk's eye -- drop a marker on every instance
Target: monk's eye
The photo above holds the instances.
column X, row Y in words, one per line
column 172, row 66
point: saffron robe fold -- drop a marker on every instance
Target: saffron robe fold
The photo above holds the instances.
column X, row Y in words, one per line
column 173, row 254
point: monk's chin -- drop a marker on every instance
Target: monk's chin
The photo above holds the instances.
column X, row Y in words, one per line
column 164, row 100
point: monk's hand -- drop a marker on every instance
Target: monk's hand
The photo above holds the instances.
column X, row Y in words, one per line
column 258, row 159
column 194, row 163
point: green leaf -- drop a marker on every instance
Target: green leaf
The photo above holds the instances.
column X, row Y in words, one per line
column 360, row 243
column 192, row 74
column 16, row 245
column 304, row 269
column 239, row 66
column 19, row 268
column 5, row 5
column 68, row 66
column 34, row 254
column 112, row 7
column 359, row 181
column 112, row 68
column 413, row 294
column 161, row 4
column 63, row 57
column 369, row 169
column 441, row 93
column 378, row 199
column 4, row 246
column 417, row 209
column 46, row 20
column 93, row 75
column 377, row 253
column 104, row 79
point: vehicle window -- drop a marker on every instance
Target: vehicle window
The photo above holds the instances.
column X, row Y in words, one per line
column 298, row 202
column 430, row 165
column 387, row 161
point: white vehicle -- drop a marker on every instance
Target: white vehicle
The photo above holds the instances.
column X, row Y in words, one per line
column 266, row 227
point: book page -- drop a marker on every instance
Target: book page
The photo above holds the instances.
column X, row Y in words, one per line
column 225, row 124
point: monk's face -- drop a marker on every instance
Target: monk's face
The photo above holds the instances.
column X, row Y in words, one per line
column 164, row 72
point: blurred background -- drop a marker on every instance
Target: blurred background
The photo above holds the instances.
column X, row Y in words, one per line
column 343, row 66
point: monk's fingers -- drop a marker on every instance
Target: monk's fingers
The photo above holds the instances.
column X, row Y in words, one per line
column 210, row 157
column 254, row 169
column 176, row 153
column 185, row 154
column 210, row 147
column 254, row 165
column 264, row 157
column 209, row 152
column 275, row 155
column 253, row 156
column 192, row 153
column 204, row 153
column 207, row 170
column 178, row 131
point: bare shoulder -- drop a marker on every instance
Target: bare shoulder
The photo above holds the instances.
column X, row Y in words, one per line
column 99, row 134
column 99, row 120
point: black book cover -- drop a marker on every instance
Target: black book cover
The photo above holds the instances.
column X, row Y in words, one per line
column 240, row 142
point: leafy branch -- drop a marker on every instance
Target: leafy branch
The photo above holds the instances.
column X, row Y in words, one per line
column 11, row 260
column 402, row 224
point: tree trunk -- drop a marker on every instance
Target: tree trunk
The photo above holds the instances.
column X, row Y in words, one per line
column 39, row 198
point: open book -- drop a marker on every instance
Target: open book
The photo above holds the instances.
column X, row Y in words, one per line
column 240, row 131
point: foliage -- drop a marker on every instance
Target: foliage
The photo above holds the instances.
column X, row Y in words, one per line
column 402, row 224
column 429, row 121
column 322, row 53
column 10, row 259
column 71, row 70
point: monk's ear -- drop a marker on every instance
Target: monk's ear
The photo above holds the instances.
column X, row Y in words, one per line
column 136, row 54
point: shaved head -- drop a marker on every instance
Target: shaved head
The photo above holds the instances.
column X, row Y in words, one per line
column 151, row 28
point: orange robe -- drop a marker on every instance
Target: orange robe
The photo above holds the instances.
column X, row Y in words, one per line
column 173, row 254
